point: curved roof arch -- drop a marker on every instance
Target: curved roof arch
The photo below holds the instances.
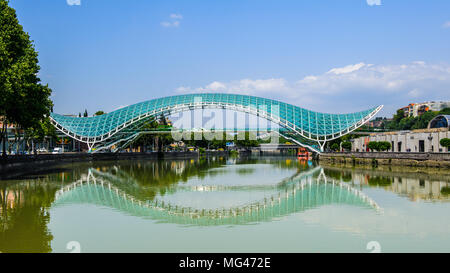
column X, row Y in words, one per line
column 441, row 121
column 309, row 124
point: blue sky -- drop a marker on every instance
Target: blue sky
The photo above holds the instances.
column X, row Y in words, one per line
column 324, row 55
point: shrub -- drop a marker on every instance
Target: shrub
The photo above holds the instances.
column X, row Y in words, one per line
column 373, row 146
column 445, row 142
column 445, row 190
column 335, row 147
column 384, row 146
column 379, row 146
column 347, row 145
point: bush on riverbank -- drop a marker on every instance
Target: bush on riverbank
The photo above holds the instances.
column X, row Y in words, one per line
column 379, row 146
column 445, row 142
column 445, row 190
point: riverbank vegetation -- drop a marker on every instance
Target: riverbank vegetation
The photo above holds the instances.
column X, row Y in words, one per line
column 379, row 146
column 402, row 122
column 445, row 142
column 24, row 100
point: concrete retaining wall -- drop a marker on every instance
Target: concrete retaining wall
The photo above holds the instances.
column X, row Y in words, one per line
column 391, row 155
column 19, row 165
column 438, row 160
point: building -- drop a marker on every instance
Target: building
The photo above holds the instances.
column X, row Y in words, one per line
column 378, row 123
column 417, row 109
column 418, row 141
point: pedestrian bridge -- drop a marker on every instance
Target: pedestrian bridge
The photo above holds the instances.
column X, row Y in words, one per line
column 303, row 191
column 120, row 127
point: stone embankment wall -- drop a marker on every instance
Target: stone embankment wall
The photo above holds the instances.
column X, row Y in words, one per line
column 19, row 165
column 439, row 160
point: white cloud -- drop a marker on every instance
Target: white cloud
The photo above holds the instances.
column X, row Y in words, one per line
column 446, row 24
column 245, row 86
column 174, row 20
column 374, row 2
column 216, row 86
column 170, row 24
column 384, row 78
column 415, row 93
column 73, row 2
column 176, row 16
column 347, row 69
column 348, row 88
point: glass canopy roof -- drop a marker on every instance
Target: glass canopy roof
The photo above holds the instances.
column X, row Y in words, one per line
column 308, row 124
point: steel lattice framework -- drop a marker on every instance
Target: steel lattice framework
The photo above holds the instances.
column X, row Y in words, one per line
column 124, row 124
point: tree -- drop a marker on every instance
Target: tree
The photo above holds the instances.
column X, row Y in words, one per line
column 379, row 146
column 445, row 111
column 24, row 101
column 334, row 147
column 373, row 146
column 99, row 113
column 45, row 129
column 384, row 146
column 85, row 114
column 163, row 120
column 248, row 141
column 445, row 142
column 423, row 120
column 149, row 125
column 347, row 145
column 400, row 122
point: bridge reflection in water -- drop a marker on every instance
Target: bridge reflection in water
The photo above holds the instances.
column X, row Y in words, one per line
column 303, row 191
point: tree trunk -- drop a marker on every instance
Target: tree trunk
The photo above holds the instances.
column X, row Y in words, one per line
column 4, row 137
column 159, row 144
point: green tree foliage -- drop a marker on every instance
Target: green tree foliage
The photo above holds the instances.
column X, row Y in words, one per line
column 445, row 190
column 342, row 140
column 399, row 116
column 384, row 146
column 247, row 140
column 38, row 133
column 24, row 101
column 163, row 120
column 334, row 147
column 379, row 145
column 99, row 113
column 445, row 142
column 244, row 140
column 400, row 122
column 445, row 111
column 422, row 121
column 147, row 139
column 373, row 146
column 216, row 141
column 85, row 114
column 347, row 145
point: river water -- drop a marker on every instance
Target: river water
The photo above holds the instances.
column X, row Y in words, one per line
column 217, row 204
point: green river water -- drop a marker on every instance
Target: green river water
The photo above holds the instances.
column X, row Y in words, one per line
column 216, row 204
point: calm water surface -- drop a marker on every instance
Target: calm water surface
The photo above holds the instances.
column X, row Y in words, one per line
column 225, row 205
